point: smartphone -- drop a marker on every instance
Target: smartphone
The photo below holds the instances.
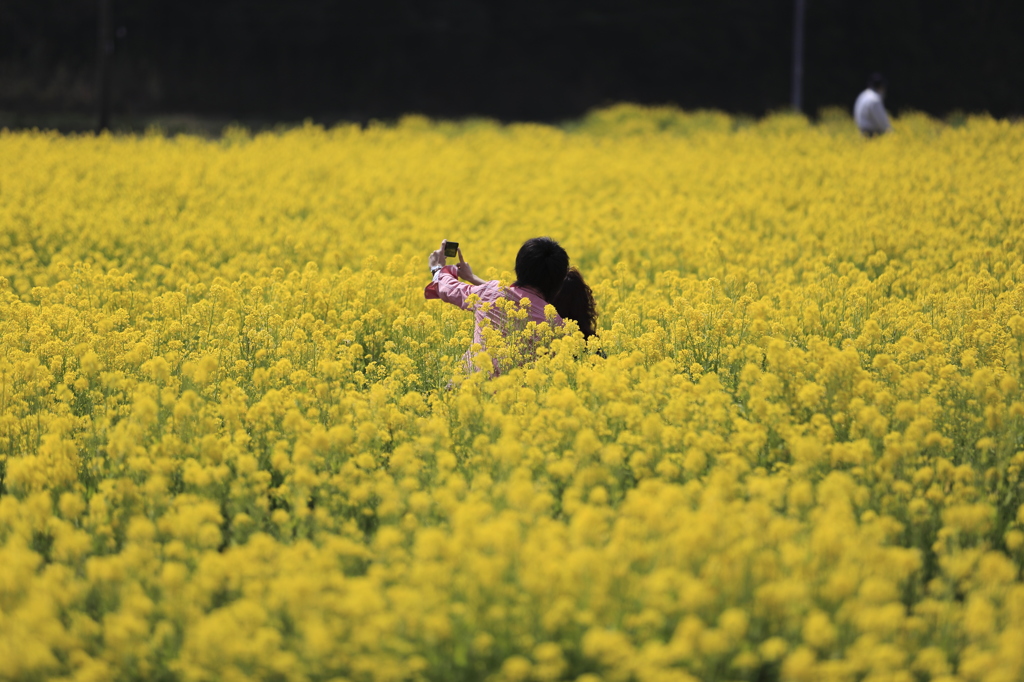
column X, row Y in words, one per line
column 451, row 249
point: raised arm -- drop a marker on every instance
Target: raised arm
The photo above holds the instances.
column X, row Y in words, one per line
column 466, row 272
column 446, row 285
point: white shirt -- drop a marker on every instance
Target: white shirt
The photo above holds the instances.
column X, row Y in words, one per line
column 869, row 113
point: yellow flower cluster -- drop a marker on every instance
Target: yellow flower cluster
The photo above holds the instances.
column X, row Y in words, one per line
column 237, row 443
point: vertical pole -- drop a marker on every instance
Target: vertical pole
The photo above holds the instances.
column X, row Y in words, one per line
column 798, row 54
column 104, row 52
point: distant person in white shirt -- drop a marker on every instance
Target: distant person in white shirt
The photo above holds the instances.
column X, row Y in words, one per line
column 868, row 111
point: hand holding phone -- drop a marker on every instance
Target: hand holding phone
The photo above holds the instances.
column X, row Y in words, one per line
column 466, row 272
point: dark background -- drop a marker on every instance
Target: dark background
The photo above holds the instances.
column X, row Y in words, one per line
column 543, row 60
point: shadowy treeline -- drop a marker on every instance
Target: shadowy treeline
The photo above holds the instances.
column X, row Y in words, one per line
column 524, row 60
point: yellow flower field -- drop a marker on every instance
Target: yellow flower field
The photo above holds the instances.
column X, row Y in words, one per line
column 237, row 443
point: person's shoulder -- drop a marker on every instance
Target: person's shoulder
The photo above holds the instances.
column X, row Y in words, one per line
column 518, row 293
column 489, row 289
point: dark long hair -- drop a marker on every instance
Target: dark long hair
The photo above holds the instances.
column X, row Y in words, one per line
column 575, row 301
column 541, row 263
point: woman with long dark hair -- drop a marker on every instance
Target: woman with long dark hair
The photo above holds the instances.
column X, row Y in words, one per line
column 575, row 301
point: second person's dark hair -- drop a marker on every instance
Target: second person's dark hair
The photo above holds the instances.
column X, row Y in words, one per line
column 542, row 264
column 575, row 301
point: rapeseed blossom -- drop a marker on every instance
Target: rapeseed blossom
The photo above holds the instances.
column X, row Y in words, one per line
column 236, row 443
